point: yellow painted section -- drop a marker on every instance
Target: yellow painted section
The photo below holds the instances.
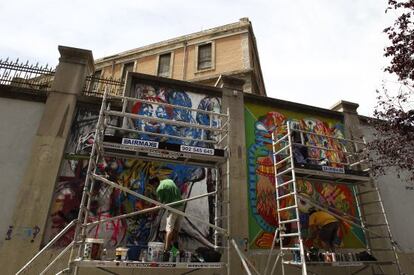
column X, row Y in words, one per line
column 178, row 65
column 229, row 54
column 147, row 65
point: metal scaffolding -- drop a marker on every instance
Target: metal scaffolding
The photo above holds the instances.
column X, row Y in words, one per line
column 209, row 150
column 348, row 166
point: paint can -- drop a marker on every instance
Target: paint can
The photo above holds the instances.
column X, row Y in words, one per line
column 121, row 253
column 186, row 256
column 327, row 257
column 93, row 249
column 143, row 256
column 333, row 257
column 177, row 257
column 155, row 251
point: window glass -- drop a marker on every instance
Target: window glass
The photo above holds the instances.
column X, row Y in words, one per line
column 128, row 67
column 164, row 65
column 204, row 57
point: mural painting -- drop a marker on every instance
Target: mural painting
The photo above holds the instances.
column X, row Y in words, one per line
column 134, row 174
column 260, row 122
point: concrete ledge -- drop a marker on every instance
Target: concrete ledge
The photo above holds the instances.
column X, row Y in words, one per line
column 77, row 56
column 345, row 106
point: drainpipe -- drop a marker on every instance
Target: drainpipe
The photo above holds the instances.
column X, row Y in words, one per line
column 185, row 61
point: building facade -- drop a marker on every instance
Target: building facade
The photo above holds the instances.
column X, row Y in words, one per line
column 200, row 57
column 46, row 175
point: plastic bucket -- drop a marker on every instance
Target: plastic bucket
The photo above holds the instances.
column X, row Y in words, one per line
column 155, row 251
column 93, row 249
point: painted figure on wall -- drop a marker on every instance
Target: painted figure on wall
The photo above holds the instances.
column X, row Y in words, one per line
column 260, row 124
column 134, row 174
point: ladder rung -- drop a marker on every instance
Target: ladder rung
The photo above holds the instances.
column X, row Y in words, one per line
column 284, row 172
column 282, row 161
column 289, row 234
column 286, row 195
column 366, row 192
column 287, row 208
column 381, row 249
column 288, row 221
column 375, row 225
column 283, row 149
column 370, row 202
column 290, row 248
column 285, row 183
column 373, row 214
column 277, row 141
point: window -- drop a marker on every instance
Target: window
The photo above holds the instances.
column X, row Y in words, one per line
column 164, row 65
column 97, row 74
column 128, row 67
column 205, row 56
column 94, row 84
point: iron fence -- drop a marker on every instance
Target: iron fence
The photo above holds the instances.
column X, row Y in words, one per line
column 25, row 75
column 95, row 86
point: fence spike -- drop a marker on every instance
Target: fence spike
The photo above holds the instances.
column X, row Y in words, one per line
column 27, row 63
column 17, row 61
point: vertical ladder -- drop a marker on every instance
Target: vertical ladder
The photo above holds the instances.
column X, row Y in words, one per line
column 283, row 156
column 380, row 242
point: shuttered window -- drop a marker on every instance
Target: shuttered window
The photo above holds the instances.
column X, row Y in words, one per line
column 204, row 57
column 164, row 64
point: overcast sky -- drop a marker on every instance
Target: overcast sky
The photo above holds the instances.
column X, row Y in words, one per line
column 313, row 52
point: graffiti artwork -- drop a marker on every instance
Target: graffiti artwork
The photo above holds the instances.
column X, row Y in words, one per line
column 22, row 232
column 260, row 123
column 135, row 174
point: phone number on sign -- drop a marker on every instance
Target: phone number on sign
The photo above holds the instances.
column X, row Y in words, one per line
column 197, row 150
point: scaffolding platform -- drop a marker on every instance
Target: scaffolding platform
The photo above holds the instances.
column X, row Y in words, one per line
column 144, row 265
column 336, row 161
column 332, row 174
column 341, row 264
column 117, row 146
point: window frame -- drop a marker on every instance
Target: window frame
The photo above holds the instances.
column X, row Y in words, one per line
column 170, row 71
column 213, row 57
column 123, row 73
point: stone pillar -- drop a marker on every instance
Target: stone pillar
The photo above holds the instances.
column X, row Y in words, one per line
column 234, row 101
column 351, row 120
column 36, row 191
column 354, row 131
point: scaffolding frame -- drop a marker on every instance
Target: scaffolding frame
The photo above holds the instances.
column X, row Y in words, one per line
column 351, row 170
column 187, row 154
column 209, row 151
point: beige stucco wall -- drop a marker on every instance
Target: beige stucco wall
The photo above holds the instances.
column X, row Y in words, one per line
column 178, row 64
column 231, row 54
column 147, row 65
column 19, row 122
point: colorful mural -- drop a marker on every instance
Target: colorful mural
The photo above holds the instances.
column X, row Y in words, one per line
column 260, row 122
column 134, row 174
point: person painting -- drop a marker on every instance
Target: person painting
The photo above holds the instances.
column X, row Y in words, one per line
column 300, row 151
column 325, row 226
column 168, row 192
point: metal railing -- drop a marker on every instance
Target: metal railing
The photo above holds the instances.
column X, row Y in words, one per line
column 25, row 75
column 96, row 86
